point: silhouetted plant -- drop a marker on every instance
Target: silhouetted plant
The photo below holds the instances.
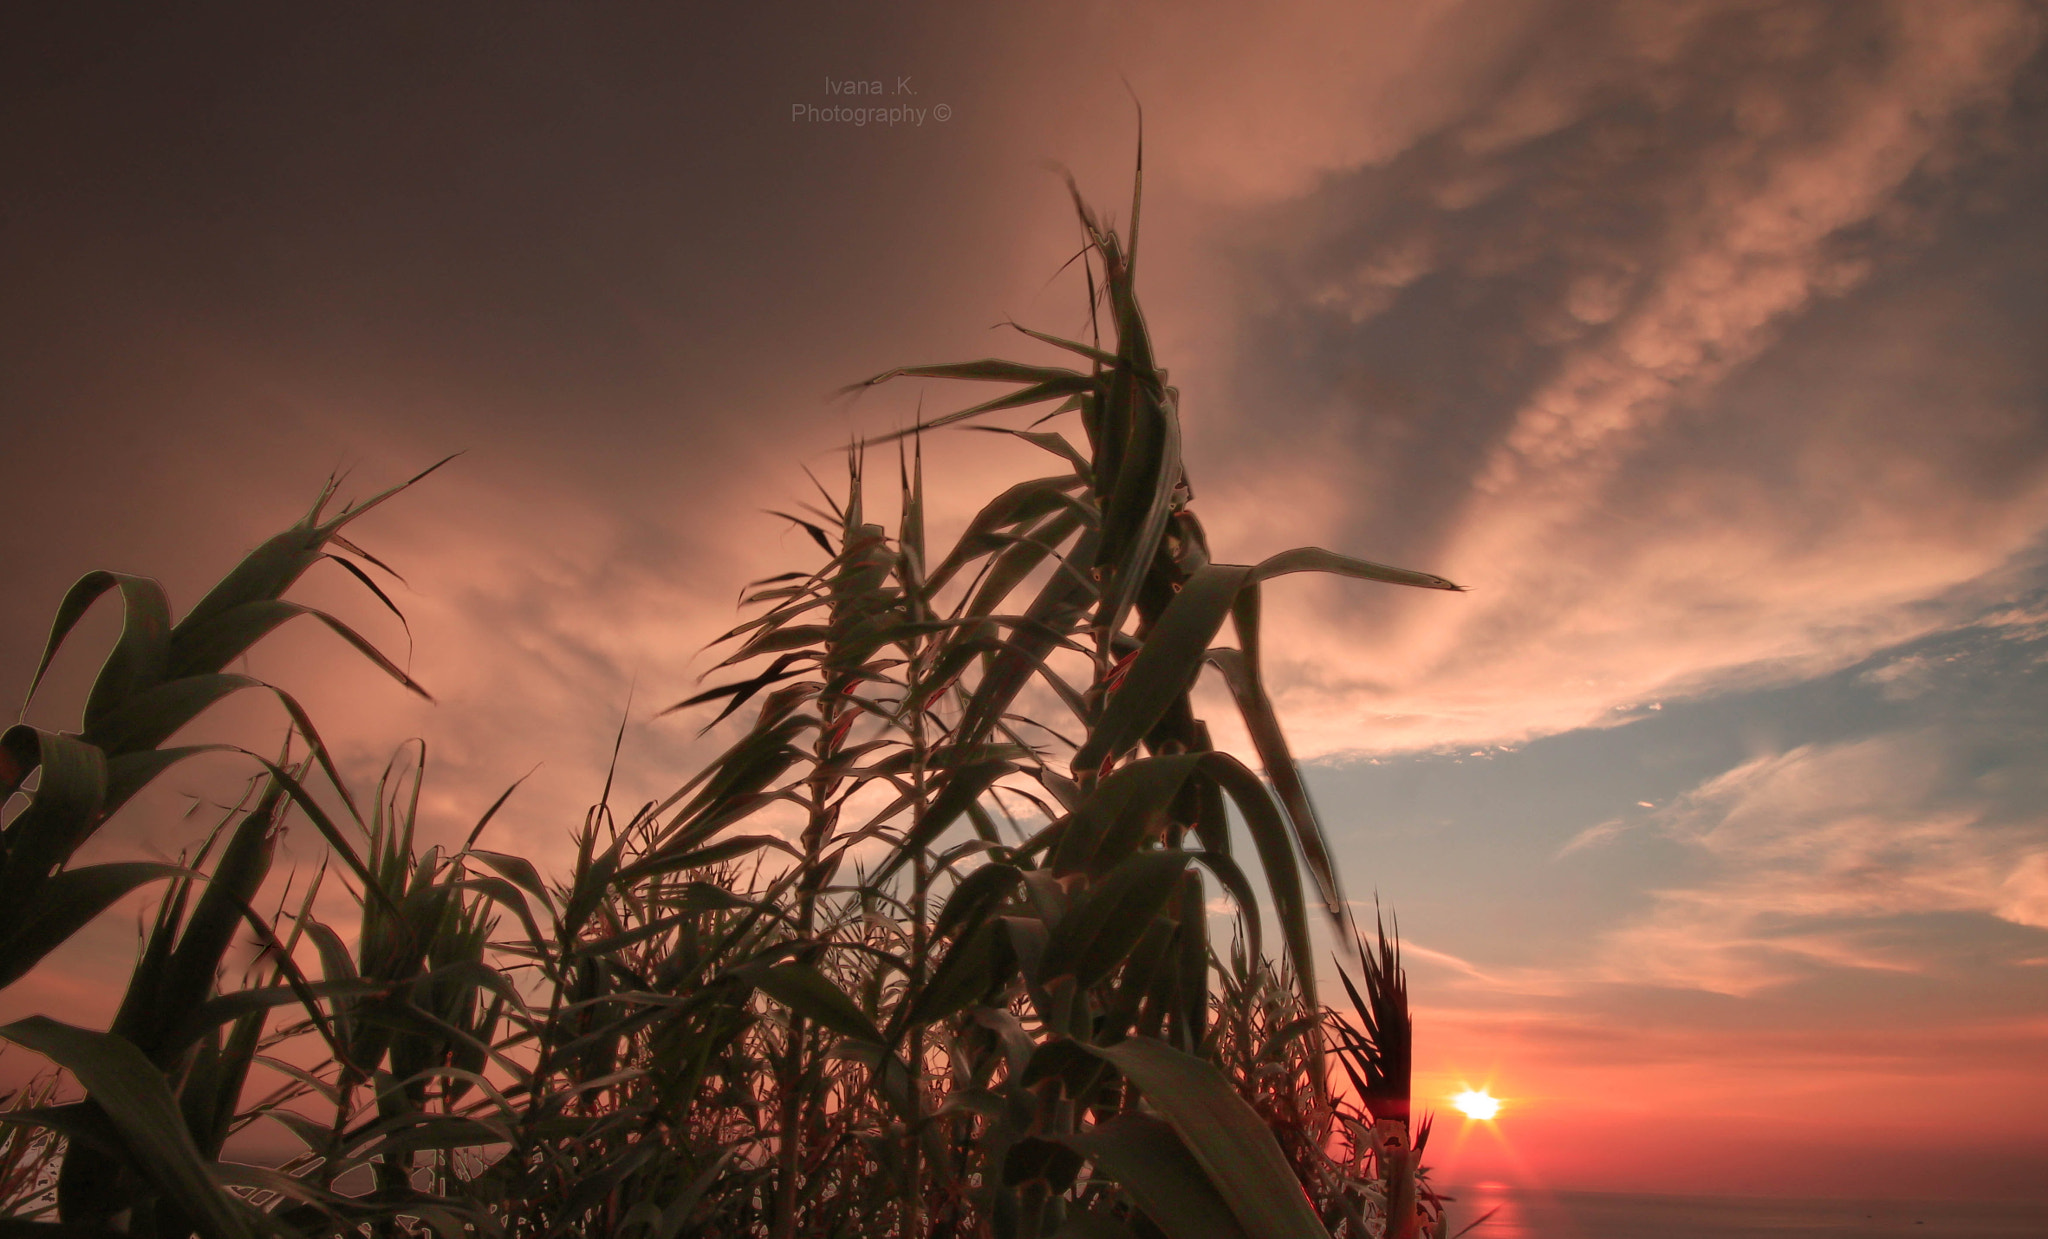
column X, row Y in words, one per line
column 970, row 994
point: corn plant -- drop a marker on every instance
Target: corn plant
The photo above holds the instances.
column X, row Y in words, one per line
column 161, row 1086
column 1043, row 1007
column 1377, row 1051
column 924, row 952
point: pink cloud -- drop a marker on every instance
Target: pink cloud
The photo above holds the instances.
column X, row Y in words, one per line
column 1620, row 542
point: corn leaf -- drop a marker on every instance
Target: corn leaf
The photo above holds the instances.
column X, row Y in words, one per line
column 1227, row 1139
column 159, row 1147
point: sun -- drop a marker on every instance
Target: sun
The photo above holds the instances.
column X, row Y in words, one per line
column 1476, row 1105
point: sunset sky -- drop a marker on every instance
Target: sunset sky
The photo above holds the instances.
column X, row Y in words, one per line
column 1703, row 341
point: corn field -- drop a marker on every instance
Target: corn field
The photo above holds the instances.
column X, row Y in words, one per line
column 924, row 953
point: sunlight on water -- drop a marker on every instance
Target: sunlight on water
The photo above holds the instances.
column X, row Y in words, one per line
column 1526, row 1213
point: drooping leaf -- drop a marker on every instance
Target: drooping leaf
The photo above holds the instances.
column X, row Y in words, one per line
column 1115, row 818
column 1275, row 755
column 1270, row 837
column 1226, row 1137
column 65, row 904
column 64, row 811
column 1147, row 1159
column 206, row 647
column 1167, row 664
column 806, row 991
column 1103, row 925
column 1316, row 559
column 121, row 1080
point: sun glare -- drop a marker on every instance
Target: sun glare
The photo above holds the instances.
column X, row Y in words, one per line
column 1476, row 1105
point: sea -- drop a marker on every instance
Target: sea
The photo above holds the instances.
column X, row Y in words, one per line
column 1526, row 1213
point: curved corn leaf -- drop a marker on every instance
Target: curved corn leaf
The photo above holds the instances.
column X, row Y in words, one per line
column 1126, row 808
column 1102, row 925
column 1278, row 759
column 1236, row 1151
column 1166, row 665
column 121, row 1080
column 207, row 647
column 19, row 754
column 806, row 991
column 1240, row 888
column 139, row 654
column 1148, row 1160
column 1269, row 834
column 1316, row 559
column 64, row 904
column 66, row 808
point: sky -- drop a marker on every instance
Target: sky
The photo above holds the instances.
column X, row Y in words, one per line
column 1699, row 340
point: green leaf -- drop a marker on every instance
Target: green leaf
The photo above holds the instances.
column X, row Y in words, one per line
column 519, row 871
column 131, row 1091
column 966, row 973
column 82, row 1123
column 961, row 787
column 1018, row 557
column 1148, row 1160
column 987, row 370
column 19, row 754
column 1047, row 619
column 1269, row 834
column 206, row 647
column 148, row 718
column 1057, row 444
column 804, row 990
column 1037, row 393
column 412, row 1132
column 129, row 773
column 974, row 896
column 66, row 808
column 1167, row 664
column 1096, row 355
column 1278, row 759
column 672, row 860
column 1120, row 813
column 1134, row 516
column 65, row 904
column 229, row 1007
column 138, row 657
column 1103, row 925
column 1316, row 559
column 271, row 568
column 1228, row 1140
column 187, row 978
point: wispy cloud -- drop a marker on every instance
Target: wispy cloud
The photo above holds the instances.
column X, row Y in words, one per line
column 1637, row 349
column 1814, row 852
